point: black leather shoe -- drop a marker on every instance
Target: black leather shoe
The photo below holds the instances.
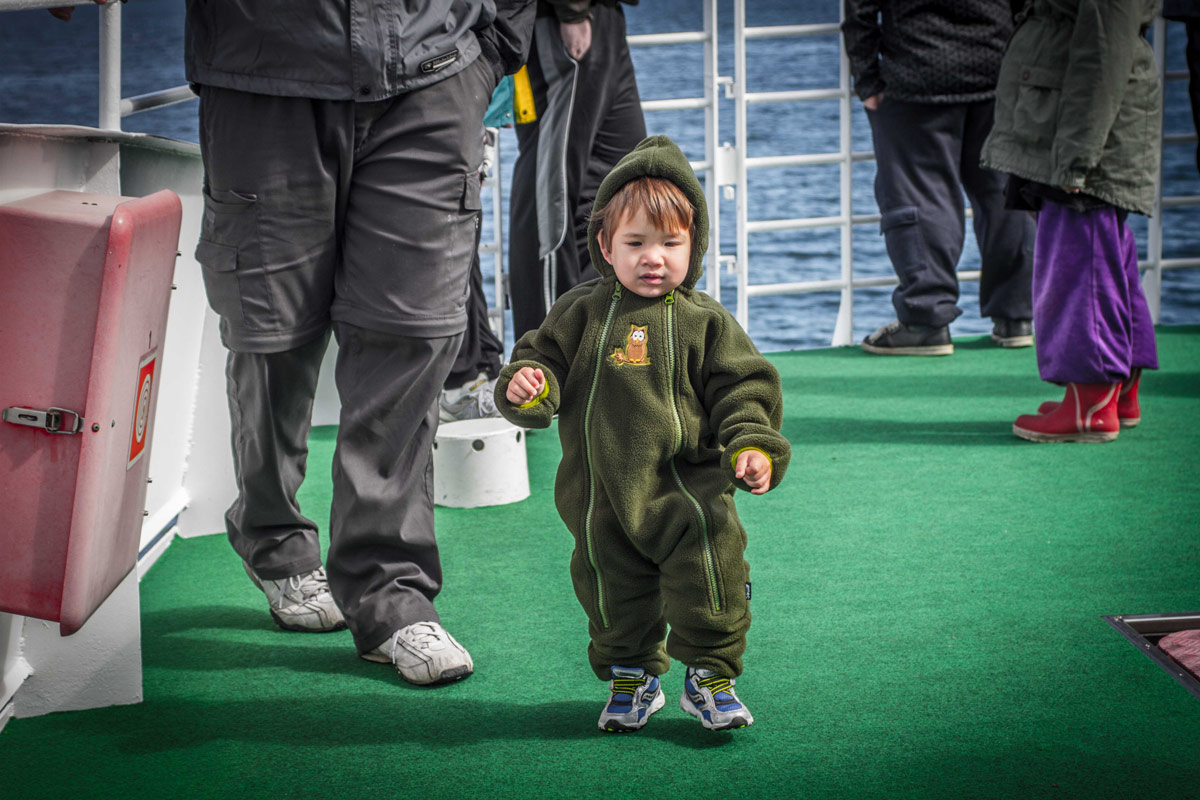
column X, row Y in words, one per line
column 1012, row 332
column 898, row 339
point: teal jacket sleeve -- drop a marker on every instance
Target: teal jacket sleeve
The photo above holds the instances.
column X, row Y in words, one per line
column 743, row 398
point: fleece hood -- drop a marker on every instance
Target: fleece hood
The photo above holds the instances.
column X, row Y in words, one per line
column 656, row 157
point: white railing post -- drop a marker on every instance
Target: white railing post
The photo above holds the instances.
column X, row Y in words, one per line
column 711, row 165
column 743, row 211
column 1152, row 278
column 496, row 181
column 110, row 67
column 712, row 130
column 843, row 329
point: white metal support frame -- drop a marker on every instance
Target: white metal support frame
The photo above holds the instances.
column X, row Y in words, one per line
column 1152, row 274
column 846, row 283
column 1155, row 264
column 723, row 167
column 495, row 248
column 110, row 66
column 709, row 167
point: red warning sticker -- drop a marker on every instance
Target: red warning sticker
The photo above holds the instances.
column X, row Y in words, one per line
column 141, row 410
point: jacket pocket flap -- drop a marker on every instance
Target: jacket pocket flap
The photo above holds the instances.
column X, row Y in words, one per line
column 228, row 202
column 1043, row 77
column 471, row 200
column 217, row 257
column 905, row 215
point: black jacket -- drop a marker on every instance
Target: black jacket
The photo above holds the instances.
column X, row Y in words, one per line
column 575, row 10
column 926, row 51
column 350, row 49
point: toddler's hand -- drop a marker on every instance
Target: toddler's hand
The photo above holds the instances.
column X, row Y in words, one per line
column 755, row 469
column 525, row 385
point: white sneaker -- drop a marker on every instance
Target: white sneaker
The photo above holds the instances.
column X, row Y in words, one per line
column 301, row 602
column 473, row 400
column 633, row 697
column 710, row 698
column 424, row 653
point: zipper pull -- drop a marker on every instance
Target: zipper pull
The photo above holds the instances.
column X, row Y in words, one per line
column 669, row 298
column 616, row 295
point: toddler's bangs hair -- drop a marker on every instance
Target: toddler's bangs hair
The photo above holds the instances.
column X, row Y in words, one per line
column 664, row 203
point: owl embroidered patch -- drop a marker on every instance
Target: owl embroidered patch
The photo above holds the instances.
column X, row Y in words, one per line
column 634, row 352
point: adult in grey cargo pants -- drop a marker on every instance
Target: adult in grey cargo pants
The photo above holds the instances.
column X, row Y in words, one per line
column 340, row 147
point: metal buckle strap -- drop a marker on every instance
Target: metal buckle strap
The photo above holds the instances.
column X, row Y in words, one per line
column 50, row 420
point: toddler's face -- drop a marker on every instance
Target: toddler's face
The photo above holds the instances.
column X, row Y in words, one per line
column 648, row 261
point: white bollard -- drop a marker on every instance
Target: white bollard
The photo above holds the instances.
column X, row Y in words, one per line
column 479, row 462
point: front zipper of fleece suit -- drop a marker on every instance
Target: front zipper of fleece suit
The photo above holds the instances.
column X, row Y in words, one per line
column 589, row 544
column 710, row 570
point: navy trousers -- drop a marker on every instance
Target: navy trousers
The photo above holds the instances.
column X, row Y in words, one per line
column 926, row 156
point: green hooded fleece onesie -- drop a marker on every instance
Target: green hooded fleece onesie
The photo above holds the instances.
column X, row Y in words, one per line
column 655, row 397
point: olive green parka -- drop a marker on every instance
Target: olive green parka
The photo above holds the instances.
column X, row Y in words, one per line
column 1078, row 103
column 655, row 397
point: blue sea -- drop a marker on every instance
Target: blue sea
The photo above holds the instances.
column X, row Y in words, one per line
column 49, row 74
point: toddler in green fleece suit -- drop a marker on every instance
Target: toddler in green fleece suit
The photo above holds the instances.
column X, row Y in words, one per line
column 665, row 406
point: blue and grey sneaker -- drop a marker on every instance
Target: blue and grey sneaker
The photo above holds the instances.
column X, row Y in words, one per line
column 710, row 698
column 633, row 697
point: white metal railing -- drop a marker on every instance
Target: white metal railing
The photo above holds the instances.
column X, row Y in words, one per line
column 709, row 168
column 111, row 105
column 1152, row 266
column 725, row 167
column 1155, row 264
column 495, row 248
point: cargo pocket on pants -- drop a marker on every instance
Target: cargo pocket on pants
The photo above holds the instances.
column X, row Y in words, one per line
column 231, row 260
column 218, row 266
column 471, row 198
column 472, row 204
column 905, row 244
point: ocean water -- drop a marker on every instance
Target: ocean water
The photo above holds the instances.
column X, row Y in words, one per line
column 49, row 74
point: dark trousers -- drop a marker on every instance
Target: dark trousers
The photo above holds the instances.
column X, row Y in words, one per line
column 605, row 123
column 364, row 216
column 383, row 566
column 481, row 350
column 658, row 600
column 926, row 156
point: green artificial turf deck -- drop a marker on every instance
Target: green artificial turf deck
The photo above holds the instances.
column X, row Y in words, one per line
column 928, row 593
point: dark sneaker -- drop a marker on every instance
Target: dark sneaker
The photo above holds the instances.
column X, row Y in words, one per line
column 633, row 697
column 710, row 698
column 1012, row 332
column 899, row 339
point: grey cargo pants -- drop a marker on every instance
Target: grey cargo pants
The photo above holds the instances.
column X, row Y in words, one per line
column 362, row 215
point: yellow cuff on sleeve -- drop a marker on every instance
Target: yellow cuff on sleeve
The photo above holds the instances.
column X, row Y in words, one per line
column 733, row 461
column 541, row 396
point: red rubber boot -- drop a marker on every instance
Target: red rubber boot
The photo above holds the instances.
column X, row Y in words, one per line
column 1088, row 413
column 1129, row 413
